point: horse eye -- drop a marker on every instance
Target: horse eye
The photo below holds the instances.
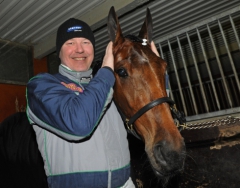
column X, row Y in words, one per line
column 122, row 72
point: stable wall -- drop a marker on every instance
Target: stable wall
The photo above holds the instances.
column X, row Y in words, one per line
column 13, row 97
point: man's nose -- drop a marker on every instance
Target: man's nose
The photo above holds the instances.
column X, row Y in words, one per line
column 79, row 48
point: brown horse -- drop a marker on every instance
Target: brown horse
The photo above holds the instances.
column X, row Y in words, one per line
column 140, row 81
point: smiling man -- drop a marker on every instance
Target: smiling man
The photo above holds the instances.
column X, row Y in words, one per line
column 75, row 45
column 77, row 54
column 79, row 131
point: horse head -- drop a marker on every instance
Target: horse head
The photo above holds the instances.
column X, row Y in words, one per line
column 140, row 80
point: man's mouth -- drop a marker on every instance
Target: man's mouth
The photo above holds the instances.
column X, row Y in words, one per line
column 79, row 58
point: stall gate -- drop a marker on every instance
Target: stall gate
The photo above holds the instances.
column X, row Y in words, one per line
column 204, row 66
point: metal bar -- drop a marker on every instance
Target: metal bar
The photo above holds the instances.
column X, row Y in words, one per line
column 177, row 77
column 201, row 106
column 187, row 75
column 199, row 24
column 207, row 65
column 161, row 52
column 211, row 95
column 190, row 103
column 225, row 112
column 198, row 74
column 229, row 55
column 235, row 93
column 222, row 94
column 235, row 31
column 188, row 108
column 178, row 100
column 188, row 95
column 225, row 86
column 169, row 84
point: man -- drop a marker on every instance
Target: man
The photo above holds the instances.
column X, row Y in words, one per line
column 79, row 132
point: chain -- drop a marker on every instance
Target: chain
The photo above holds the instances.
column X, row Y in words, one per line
column 225, row 121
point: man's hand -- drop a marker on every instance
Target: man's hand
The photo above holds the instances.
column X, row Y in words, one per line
column 108, row 58
column 154, row 49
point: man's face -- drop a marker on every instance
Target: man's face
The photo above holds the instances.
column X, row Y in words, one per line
column 77, row 54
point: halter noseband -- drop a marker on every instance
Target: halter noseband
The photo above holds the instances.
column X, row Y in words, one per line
column 175, row 113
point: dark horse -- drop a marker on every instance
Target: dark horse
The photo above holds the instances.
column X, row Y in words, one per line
column 141, row 97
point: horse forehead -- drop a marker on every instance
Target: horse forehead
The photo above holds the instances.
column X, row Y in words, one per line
column 133, row 51
column 135, row 55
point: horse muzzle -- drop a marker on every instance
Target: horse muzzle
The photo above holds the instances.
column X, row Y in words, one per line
column 168, row 161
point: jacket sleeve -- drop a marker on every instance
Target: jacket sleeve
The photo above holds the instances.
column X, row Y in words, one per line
column 60, row 110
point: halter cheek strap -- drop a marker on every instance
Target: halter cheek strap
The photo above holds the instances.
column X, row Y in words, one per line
column 148, row 107
column 175, row 113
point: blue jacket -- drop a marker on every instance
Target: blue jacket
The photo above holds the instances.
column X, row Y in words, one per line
column 79, row 132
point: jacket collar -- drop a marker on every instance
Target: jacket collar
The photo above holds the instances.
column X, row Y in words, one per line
column 79, row 77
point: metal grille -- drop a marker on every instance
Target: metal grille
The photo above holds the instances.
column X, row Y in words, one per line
column 204, row 66
column 16, row 63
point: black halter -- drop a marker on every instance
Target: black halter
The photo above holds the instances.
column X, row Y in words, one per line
column 175, row 113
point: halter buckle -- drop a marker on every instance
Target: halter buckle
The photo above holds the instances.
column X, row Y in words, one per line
column 179, row 118
column 129, row 127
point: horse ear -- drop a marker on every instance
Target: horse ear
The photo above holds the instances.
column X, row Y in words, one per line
column 146, row 30
column 114, row 29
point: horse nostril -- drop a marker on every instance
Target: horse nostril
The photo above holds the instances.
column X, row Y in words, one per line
column 167, row 157
column 160, row 152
